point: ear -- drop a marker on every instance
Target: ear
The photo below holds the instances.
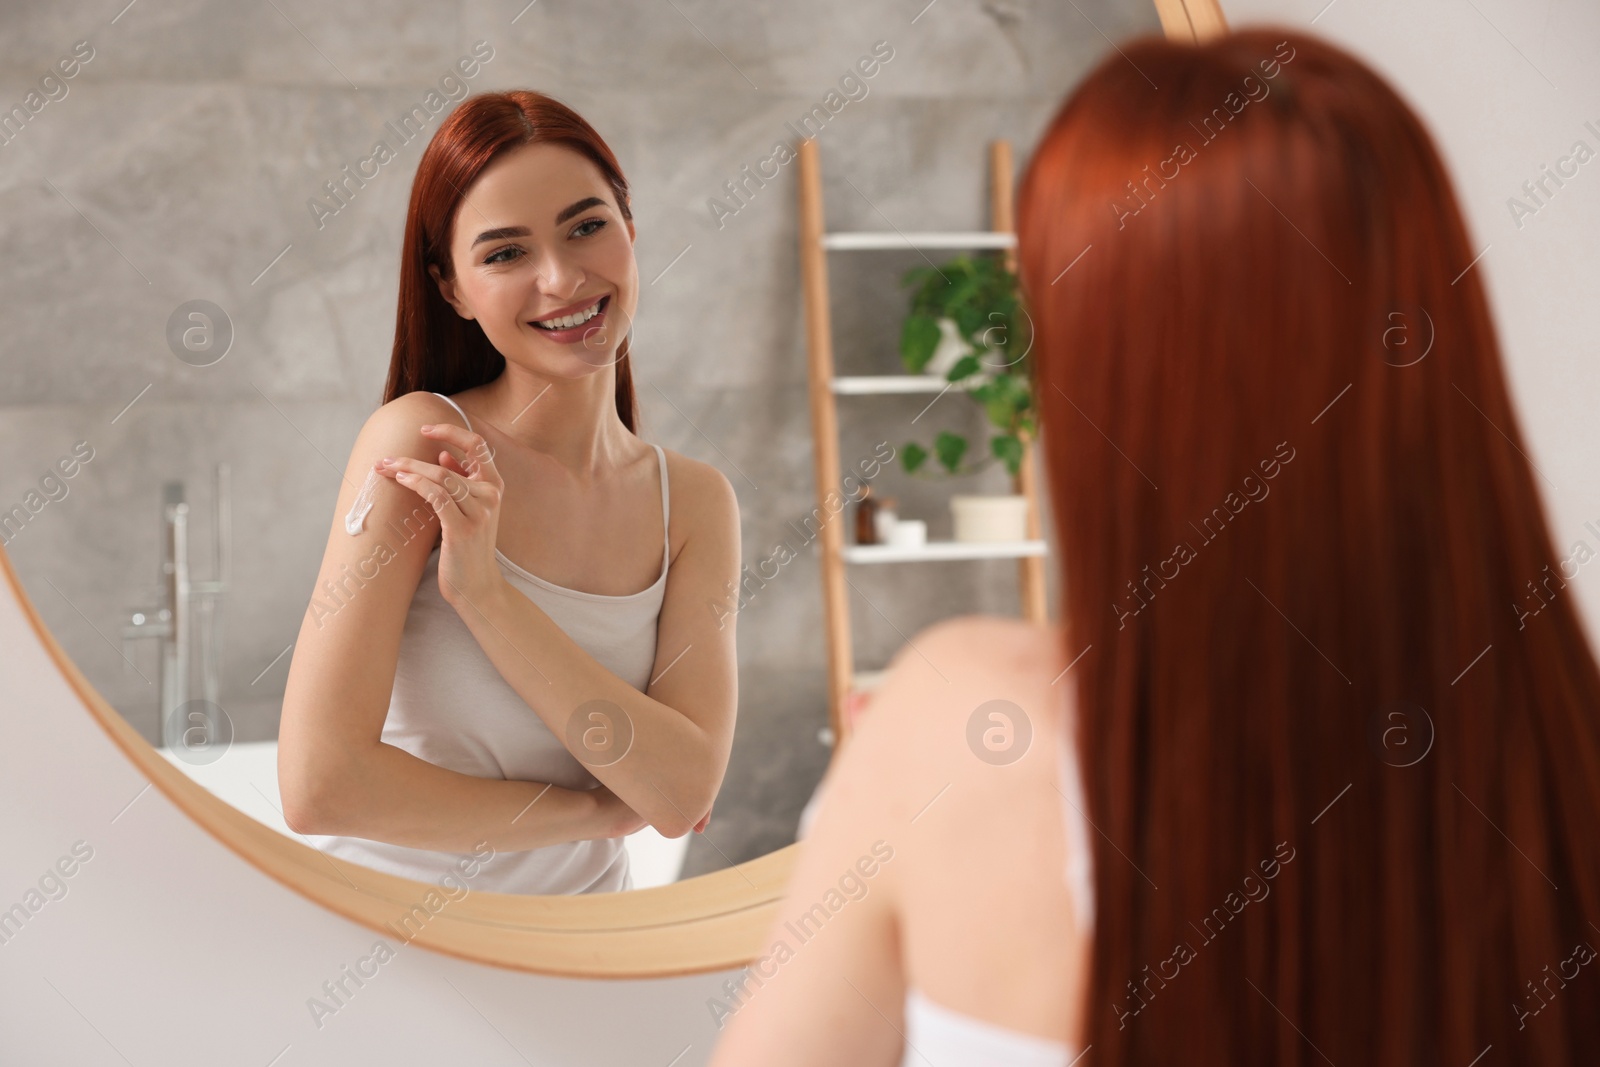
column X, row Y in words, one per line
column 447, row 289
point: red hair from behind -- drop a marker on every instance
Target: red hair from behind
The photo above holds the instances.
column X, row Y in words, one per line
column 1337, row 724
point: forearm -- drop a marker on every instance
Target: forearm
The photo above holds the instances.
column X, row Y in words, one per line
column 388, row 794
column 670, row 772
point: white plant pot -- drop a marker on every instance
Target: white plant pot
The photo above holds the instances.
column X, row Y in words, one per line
column 952, row 346
column 951, row 349
column 990, row 517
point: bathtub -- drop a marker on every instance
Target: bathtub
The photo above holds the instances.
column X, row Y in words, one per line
column 246, row 776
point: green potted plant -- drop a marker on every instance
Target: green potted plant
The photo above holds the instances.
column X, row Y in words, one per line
column 963, row 328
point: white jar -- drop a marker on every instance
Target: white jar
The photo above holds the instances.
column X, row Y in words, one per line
column 909, row 533
column 990, row 517
column 885, row 519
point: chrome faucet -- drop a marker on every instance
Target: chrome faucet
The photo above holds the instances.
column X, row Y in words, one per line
column 183, row 603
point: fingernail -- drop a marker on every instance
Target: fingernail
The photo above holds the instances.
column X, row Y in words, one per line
column 385, row 461
column 427, row 426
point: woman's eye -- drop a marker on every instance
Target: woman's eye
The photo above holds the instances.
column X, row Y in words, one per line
column 577, row 231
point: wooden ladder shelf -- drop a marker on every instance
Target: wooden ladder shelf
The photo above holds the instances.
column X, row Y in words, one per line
column 826, row 388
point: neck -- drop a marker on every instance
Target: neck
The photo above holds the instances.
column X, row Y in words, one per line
column 572, row 420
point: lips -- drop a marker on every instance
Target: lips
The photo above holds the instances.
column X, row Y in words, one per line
column 575, row 309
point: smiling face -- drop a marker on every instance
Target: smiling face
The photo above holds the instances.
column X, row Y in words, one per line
column 543, row 260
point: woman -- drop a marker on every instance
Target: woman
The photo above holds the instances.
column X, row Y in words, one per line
column 508, row 660
column 1339, row 789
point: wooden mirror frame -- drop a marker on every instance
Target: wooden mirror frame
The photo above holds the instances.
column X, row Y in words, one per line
column 711, row 922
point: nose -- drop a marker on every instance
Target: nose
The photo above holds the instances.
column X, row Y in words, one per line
column 560, row 276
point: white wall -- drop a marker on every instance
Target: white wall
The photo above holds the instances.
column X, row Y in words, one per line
column 169, row 949
column 1506, row 86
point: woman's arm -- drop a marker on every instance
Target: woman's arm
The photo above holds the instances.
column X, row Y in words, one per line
column 829, row 984
column 676, row 736
column 335, row 775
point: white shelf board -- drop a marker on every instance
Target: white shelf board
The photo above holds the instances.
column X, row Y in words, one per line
column 864, row 240
column 943, row 550
column 865, row 680
column 866, row 384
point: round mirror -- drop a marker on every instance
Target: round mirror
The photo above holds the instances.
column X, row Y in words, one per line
column 488, row 695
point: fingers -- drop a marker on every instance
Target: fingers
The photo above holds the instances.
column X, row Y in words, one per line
column 479, row 462
column 454, row 482
column 395, row 467
column 445, row 490
column 435, row 494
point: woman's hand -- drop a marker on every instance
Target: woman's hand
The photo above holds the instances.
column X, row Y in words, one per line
column 465, row 493
column 616, row 818
column 619, row 820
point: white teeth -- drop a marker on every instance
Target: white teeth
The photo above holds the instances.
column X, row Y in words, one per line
column 566, row 322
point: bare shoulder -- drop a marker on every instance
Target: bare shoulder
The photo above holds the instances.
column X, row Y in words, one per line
column 396, row 427
column 997, row 643
column 703, row 495
column 694, row 482
column 932, row 721
column 951, row 663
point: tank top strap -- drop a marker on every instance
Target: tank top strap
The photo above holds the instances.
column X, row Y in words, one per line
column 666, row 498
column 453, row 404
column 666, row 509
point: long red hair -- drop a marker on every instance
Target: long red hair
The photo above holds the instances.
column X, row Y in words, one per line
column 1337, row 714
column 435, row 348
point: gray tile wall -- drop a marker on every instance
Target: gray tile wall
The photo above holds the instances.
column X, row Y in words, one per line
column 179, row 164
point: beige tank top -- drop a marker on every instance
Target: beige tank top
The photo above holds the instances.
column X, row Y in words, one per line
column 451, row 707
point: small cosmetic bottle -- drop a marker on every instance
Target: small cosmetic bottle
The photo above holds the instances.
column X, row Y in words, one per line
column 886, row 519
column 867, row 518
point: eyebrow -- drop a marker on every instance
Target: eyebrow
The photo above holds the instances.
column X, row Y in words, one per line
column 522, row 231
